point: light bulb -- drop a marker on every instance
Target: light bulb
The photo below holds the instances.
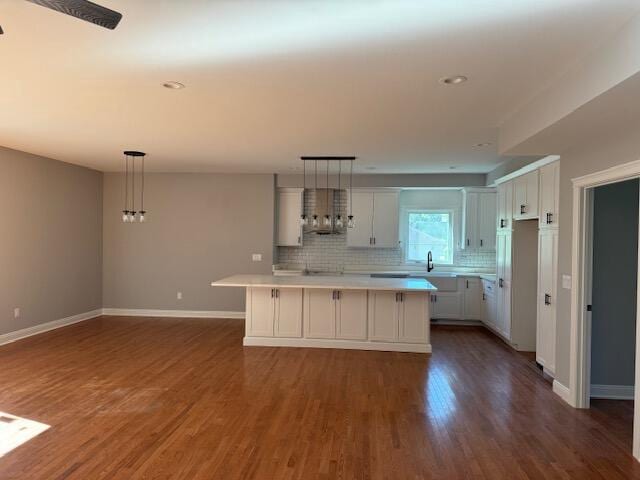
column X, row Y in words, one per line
column 327, row 221
column 315, row 221
column 132, row 217
column 304, row 221
column 141, row 218
column 339, row 222
column 350, row 222
column 125, row 216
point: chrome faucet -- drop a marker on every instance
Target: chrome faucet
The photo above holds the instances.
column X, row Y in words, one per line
column 429, row 261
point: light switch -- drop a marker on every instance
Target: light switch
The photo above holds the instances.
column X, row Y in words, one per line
column 256, row 257
column 16, row 313
column 566, row 282
column 179, row 295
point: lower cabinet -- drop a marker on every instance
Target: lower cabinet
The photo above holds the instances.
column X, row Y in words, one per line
column 489, row 304
column 547, row 292
column 446, row 305
column 332, row 314
column 398, row 317
column 472, row 288
column 274, row 312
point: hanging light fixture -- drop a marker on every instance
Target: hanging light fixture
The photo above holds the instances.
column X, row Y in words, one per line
column 315, row 223
column 338, row 215
column 304, row 220
column 129, row 214
column 350, row 221
column 327, row 218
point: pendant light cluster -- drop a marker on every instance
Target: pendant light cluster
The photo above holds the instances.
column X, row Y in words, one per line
column 336, row 220
column 129, row 214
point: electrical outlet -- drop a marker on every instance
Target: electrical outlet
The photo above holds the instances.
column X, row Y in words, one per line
column 179, row 296
column 256, row 257
column 16, row 313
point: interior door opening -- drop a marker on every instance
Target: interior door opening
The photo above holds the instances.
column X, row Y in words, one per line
column 612, row 250
column 524, row 285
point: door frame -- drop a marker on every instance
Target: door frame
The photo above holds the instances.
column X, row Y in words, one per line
column 581, row 266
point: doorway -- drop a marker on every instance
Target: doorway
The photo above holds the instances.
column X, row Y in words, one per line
column 604, row 296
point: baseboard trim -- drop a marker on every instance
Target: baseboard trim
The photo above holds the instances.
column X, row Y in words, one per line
column 461, row 323
column 136, row 312
column 613, row 392
column 563, row 392
column 340, row 344
column 45, row 327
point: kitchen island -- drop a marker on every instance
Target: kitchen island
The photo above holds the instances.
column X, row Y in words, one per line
column 350, row 312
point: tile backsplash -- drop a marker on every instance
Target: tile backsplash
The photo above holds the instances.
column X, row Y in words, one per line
column 330, row 252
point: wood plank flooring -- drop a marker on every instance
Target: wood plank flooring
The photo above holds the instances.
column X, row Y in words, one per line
column 133, row 398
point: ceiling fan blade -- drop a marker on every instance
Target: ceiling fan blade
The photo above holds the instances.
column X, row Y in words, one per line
column 84, row 10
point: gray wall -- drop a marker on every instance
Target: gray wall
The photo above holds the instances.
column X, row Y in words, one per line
column 594, row 154
column 201, row 227
column 51, row 240
column 615, row 265
column 509, row 166
column 384, row 180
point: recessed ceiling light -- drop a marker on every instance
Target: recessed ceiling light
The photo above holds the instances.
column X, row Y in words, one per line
column 453, row 80
column 173, row 85
column 483, row 144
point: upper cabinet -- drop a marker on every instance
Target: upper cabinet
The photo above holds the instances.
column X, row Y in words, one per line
column 478, row 225
column 505, row 206
column 525, row 196
column 549, row 195
column 290, row 208
column 376, row 219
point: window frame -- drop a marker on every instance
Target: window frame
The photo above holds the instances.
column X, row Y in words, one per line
column 405, row 232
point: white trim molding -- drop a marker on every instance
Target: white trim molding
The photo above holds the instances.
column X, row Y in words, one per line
column 562, row 391
column 138, row 312
column 613, row 392
column 45, row 327
column 526, row 169
column 341, row 344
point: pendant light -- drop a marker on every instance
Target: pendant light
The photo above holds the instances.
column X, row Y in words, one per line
column 129, row 214
column 336, row 205
column 350, row 221
column 315, row 223
column 327, row 218
column 304, row 220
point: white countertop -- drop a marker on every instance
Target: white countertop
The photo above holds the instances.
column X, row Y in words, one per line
column 338, row 282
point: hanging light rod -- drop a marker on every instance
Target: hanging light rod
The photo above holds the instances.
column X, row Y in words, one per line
column 327, row 158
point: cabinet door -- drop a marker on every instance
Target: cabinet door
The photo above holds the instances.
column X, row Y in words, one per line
column 487, row 221
column 383, row 316
column 288, row 312
column 361, row 235
column 446, row 305
column 472, row 299
column 546, row 325
column 491, row 310
column 549, row 195
column 505, row 206
column 503, row 257
column 351, row 315
column 385, row 220
column 289, row 212
column 260, row 311
column 471, row 221
column 413, row 317
column 525, row 196
column 319, row 313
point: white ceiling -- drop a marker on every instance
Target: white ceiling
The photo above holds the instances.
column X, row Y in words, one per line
column 268, row 81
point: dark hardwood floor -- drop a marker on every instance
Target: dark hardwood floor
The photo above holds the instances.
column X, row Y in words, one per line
column 132, row 398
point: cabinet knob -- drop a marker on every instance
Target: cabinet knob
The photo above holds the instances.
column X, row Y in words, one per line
column 501, row 283
column 547, row 299
column 523, row 209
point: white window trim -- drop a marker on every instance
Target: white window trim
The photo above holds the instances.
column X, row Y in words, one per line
column 404, row 226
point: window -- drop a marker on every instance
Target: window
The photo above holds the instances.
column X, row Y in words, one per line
column 429, row 230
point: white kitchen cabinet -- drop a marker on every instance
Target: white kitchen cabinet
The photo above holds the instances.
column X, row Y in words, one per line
column 288, row 312
column 351, row 314
column 503, row 273
column 505, row 206
column 319, row 313
column 398, row 317
column 547, row 294
column 413, row 318
column 332, row 314
column 290, row 208
column 525, row 196
column 489, row 304
column 479, row 219
column 274, row 312
column 383, row 316
column 472, row 294
column 549, row 195
column 446, row 305
column 376, row 215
